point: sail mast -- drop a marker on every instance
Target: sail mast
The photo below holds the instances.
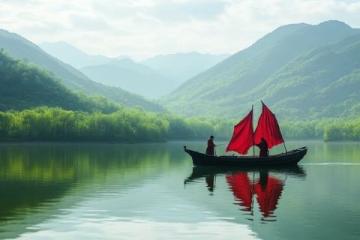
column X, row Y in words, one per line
column 252, row 123
column 285, row 147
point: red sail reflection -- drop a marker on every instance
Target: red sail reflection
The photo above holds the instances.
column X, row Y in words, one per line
column 268, row 194
column 241, row 187
column 268, row 190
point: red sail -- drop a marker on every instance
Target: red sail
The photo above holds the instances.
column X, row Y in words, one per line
column 268, row 128
column 242, row 138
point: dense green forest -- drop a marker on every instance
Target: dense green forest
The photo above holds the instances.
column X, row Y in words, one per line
column 126, row 125
column 123, row 125
column 335, row 129
column 135, row 125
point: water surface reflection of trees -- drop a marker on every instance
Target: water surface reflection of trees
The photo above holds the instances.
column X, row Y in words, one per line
column 35, row 178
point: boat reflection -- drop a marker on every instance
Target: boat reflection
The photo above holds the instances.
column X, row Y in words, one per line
column 264, row 186
column 267, row 189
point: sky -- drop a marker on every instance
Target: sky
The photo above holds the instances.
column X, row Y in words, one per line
column 144, row 28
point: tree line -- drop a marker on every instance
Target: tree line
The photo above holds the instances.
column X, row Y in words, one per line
column 331, row 129
column 137, row 125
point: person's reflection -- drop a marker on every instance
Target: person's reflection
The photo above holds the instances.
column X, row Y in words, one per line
column 263, row 179
column 210, row 183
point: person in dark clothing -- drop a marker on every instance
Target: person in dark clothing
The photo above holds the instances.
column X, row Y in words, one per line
column 210, row 150
column 264, row 149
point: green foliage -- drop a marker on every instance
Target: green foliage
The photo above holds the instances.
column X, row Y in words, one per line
column 339, row 130
column 302, row 71
column 335, row 129
column 135, row 125
column 124, row 125
column 23, row 85
column 198, row 128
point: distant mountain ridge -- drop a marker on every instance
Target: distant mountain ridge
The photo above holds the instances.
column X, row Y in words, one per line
column 131, row 76
column 20, row 48
column 153, row 77
column 72, row 55
column 295, row 69
column 183, row 66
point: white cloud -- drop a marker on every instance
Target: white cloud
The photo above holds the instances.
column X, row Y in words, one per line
column 147, row 27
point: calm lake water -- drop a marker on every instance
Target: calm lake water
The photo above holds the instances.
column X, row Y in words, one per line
column 151, row 191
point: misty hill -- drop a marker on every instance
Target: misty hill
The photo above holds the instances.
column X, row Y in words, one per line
column 20, row 48
column 180, row 67
column 300, row 70
column 131, row 76
column 154, row 77
column 72, row 55
column 24, row 85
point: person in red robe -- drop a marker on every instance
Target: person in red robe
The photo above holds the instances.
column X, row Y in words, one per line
column 264, row 149
column 210, row 150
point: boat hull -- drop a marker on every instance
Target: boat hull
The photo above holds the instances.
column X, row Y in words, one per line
column 283, row 159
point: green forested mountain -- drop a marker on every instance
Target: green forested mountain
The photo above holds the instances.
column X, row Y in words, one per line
column 180, row 67
column 20, row 48
column 131, row 76
column 300, row 70
column 23, row 85
column 323, row 83
column 58, row 114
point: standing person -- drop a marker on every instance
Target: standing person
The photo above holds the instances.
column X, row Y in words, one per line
column 264, row 149
column 210, row 150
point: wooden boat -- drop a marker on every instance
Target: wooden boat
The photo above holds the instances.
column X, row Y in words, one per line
column 284, row 159
column 266, row 136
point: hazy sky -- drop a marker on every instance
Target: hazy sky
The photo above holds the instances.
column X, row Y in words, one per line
column 142, row 28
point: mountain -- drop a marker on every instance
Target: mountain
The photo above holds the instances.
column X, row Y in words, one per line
column 153, row 78
column 23, row 85
column 20, row 48
column 300, row 70
column 131, row 76
column 323, row 83
column 72, row 55
column 180, row 67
